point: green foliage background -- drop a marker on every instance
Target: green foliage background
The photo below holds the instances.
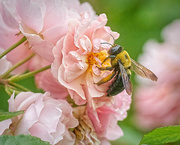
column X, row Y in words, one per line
column 137, row 21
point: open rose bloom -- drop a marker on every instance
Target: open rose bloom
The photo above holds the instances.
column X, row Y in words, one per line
column 43, row 117
column 71, row 38
column 158, row 104
column 76, row 56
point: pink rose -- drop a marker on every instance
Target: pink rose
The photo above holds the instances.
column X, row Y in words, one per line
column 43, row 117
column 76, row 56
column 157, row 104
column 105, row 118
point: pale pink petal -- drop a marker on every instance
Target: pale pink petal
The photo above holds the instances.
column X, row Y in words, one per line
column 114, row 131
column 4, row 125
column 11, row 7
column 73, row 85
column 8, row 34
column 75, row 96
column 60, row 131
column 23, row 100
column 53, row 113
column 57, row 52
column 67, row 110
column 55, row 14
column 29, row 118
column 40, row 46
column 86, row 7
column 9, row 38
column 8, row 19
column 11, row 104
column 105, row 142
column 17, row 55
column 32, row 13
column 80, row 31
column 41, row 131
column 37, row 62
column 75, row 5
column 47, row 82
column 122, row 105
column 54, row 34
column 4, row 66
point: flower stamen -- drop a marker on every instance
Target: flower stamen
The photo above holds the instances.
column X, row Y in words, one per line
column 97, row 59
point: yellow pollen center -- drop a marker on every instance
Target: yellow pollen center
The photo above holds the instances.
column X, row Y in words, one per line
column 91, row 58
column 97, row 59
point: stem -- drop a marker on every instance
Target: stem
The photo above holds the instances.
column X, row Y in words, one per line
column 18, row 86
column 23, row 76
column 3, row 82
column 12, row 47
column 10, row 90
column 17, row 65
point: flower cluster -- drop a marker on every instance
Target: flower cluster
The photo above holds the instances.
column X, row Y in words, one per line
column 158, row 105
column 67, row 36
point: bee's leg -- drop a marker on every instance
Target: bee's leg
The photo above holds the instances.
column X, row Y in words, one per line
column 106, row 79
column 105, row 68
column 110, row 56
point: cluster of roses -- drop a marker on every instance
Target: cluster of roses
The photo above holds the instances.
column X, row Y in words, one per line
column 67, row 36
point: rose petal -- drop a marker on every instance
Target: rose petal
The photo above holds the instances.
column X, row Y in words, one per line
column 28, row 119
column 41, row 131
column 35, row 10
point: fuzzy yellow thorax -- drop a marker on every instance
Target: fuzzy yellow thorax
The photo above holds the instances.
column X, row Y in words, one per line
column 125, row 59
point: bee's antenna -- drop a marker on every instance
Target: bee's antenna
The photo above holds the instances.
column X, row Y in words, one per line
column 107, row 43
column 113, row 38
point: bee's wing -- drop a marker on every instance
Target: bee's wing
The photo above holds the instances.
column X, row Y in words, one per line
column 142, row 71
column 126, row 82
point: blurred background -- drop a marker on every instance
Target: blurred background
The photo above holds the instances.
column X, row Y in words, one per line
column 137, row 21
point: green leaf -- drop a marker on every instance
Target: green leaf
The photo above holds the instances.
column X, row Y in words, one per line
column 21, row 140
column 162, row 135
column 7, row 115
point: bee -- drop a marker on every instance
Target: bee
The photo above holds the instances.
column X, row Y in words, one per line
column 122, row 64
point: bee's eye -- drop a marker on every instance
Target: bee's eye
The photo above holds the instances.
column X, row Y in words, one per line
column 115, row 50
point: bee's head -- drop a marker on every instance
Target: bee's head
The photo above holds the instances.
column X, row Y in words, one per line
column 115, row 49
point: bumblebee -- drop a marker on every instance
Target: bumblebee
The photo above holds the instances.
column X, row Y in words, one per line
column 122, row 64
